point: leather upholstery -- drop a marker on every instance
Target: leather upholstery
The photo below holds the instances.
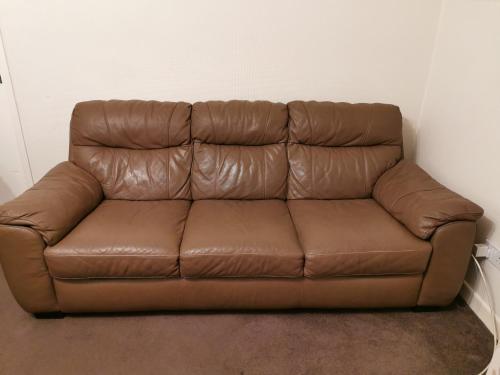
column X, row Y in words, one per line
column 136, row 149
column 239, row 150
column 21, row 256
column 239, row 172
column 355, row 237
column 318, row 172
column 451, row 253
column 138, row 174
column 339, row 150
column 240, row 122
column 133, row 124
column 420, row 202
column 55, row 204
column 344, row 124
column 360, row 228
column 240, row 239
column 80, row 296
column 122, row 239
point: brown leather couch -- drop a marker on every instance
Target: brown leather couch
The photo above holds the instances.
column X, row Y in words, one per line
column 235, row 205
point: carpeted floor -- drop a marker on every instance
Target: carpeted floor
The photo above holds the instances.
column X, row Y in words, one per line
column 451, row 341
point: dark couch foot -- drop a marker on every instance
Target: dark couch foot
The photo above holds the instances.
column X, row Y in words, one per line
column 50, row 315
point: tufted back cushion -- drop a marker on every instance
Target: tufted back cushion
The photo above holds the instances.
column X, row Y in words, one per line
column 141, row 150
column 137, row 150
column 239, row 150
column 339, row 150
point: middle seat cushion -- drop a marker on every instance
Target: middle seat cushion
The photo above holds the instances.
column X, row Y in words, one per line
column 234, row 238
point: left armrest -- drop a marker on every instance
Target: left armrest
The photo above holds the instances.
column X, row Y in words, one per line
column 419, row 202
column 55, row 204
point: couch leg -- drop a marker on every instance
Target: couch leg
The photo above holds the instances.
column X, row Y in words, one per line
column 50, row 315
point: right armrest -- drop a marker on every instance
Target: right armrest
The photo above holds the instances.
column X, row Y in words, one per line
column 54, row 205
column 419, row 202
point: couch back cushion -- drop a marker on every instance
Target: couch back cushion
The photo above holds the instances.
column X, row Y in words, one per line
column 239, row 150
column 339, row 150
column 137, row 150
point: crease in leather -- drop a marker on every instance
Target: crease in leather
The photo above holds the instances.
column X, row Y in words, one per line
column 117, row 278
column 315, row 253
column 115, row 255
column 364, row 274
column 250, row 276
column 208, row 252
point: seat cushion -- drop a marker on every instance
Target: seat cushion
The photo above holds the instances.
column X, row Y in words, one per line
column 231, row 238
column 122, row 239
column 355, row 237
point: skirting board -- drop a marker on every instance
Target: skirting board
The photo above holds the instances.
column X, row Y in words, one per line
column 478, row 305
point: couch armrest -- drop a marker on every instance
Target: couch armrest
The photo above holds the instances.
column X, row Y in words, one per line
column 21, row 256
column 418, row 201
column 55, row 204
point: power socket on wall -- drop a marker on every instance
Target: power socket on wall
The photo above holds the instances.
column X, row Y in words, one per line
column 488, row 251
column 481, row 250
column 494, row 255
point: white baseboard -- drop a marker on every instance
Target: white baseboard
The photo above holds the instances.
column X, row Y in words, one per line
column 478, row 305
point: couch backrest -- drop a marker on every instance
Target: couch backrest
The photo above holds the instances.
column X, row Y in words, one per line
column 239, row 150
column 137, row 150
column 339, row 150
column 142, row 150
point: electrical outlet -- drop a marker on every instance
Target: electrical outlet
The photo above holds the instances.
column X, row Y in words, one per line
column 494, row 256
column 481, row 250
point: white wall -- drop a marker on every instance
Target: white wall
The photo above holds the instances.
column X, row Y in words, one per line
column 15, row 176
column 62, row 52
column 458, row 140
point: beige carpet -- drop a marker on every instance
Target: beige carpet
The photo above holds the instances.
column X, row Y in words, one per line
column 451, row 341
